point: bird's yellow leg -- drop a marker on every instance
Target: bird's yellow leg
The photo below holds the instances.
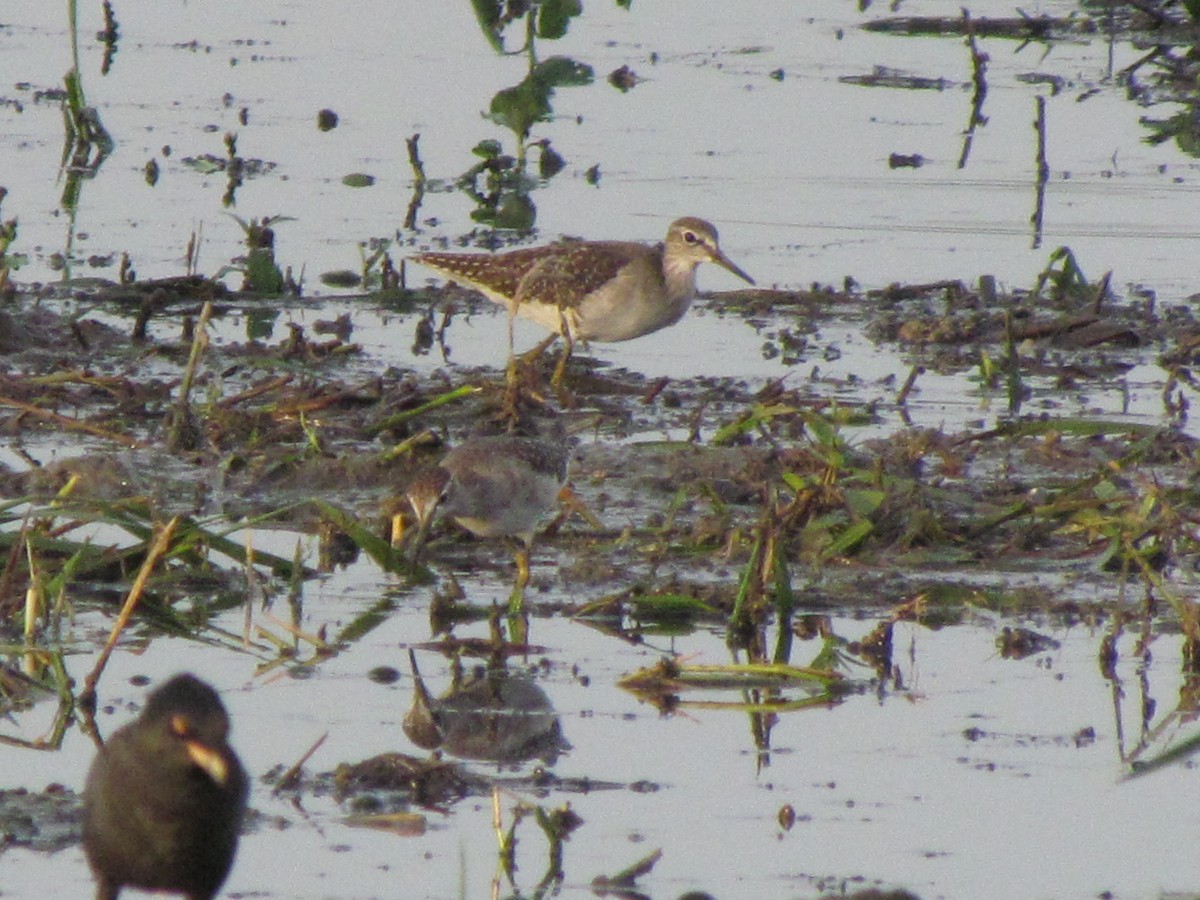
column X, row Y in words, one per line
column 518, row 628
column 530, row 355
column 510, row 370
column 561, row 369
column 517, row 600
column 571, row 504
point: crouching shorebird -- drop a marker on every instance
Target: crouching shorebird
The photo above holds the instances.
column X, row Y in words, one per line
column 602, row 291
column 165, row 796
column 499, row 486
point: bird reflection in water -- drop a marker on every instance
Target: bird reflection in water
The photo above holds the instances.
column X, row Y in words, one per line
column 489, row 714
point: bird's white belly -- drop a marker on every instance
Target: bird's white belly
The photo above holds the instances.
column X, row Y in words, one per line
column 620, row 311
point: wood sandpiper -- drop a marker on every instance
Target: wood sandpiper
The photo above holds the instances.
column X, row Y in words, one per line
column 497, row 486
column 603, row 291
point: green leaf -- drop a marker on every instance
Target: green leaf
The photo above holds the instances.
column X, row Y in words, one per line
column 671, row 676
column 488, row 149
column 561, row 71
column 487, row 14
column 74, row 90
column 340, row 278
column 849, row 539
column 516, row 212
column 66, row 574
column 863, row 502
column 795, row 481
column 517, row 108
column 554, row 17
column 823, row 430
column 206, row 165
column 1174, row 754
column 262, row 275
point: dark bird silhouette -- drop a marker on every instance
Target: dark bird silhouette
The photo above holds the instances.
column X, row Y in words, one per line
column 165, row 796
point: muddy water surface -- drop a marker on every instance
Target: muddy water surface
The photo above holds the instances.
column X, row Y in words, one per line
column 958, row 772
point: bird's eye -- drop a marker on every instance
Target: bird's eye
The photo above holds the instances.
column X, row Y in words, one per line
column 691, row 237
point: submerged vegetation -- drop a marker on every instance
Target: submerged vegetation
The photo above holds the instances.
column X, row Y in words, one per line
column 771, row 485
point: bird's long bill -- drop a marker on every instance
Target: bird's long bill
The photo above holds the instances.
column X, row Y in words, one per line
column 726, row 263
column 419, row 723
column 209, row 761
column 417, row 537
column 574, row 504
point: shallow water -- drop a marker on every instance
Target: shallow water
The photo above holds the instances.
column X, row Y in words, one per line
column 812, row 200
column 888, row 786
